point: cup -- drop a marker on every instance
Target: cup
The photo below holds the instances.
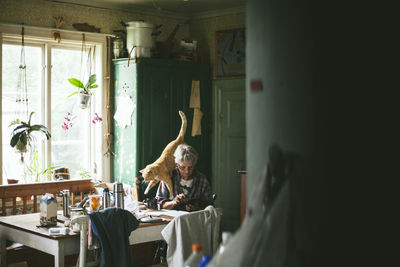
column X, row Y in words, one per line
column 95, row 202
column 76, row 211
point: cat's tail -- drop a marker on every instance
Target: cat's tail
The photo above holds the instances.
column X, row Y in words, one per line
column 183, row 126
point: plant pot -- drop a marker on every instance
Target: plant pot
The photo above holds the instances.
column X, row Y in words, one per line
column 12, row 181
column 84, row 100
column 20, row 147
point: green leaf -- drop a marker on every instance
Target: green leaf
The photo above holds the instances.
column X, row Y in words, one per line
column 75, row 82
column 20, row 128
column 14, row 140
column 92, row 79
column 30, row 116
column 48, row 169
column 41, row 128
column 93, row 86
column 31, row 170
column 35, row 127
column 74, row 93
column 23, row 138
column 48, row 135
column 16, row 121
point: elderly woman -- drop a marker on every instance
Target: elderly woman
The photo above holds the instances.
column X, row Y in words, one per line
column 191, row 188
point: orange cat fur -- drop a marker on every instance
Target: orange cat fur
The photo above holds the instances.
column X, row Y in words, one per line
column 162, row 168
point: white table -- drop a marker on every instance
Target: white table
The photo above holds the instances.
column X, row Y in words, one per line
column 22, row 229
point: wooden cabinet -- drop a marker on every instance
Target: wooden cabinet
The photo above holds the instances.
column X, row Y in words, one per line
column 158, row 88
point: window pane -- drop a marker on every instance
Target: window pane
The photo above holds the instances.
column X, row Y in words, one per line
column 70, row 147
column 10, row 110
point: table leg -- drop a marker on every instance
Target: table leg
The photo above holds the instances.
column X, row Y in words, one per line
column 60, row 255
column 3, row 252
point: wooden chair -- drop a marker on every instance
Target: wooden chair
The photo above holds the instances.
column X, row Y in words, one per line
column 25, row 192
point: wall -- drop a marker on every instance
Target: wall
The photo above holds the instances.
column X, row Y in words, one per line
column 203, row 30
column 41, row 13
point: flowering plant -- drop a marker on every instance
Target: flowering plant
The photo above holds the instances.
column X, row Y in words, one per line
column 68, row 119
column 96, row 118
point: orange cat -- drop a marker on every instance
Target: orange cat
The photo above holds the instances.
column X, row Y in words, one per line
column 162, row 168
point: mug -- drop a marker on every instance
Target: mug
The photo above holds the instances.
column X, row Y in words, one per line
column 95, row 202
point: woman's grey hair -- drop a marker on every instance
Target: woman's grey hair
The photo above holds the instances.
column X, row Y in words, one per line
column 185, row 153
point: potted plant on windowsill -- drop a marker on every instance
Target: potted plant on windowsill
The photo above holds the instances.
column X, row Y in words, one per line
column 84, row 91
column 21, row 136
column 35, row 171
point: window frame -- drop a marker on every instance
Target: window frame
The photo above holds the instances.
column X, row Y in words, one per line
column 11, row 34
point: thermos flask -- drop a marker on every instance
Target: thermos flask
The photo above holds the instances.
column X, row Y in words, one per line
column 106, row 198
column 66, row 194
column 118, row 195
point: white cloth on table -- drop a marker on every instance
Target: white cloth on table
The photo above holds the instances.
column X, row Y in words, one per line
column 200, row 227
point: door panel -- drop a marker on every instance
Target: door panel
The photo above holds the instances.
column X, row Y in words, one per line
column 124, row 146
column 229, row 149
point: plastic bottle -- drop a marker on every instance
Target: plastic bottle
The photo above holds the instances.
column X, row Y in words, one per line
column 204, row 261
column 217, row 256
column 196, row 256
column 225, row 239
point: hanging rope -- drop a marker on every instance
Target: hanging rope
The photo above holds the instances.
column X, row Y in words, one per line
column 82, row 71
column 108, row 137
column 22, row 89
column 88, row 55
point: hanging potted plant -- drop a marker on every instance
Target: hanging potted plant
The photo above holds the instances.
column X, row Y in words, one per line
column 84, row 91
column 21, row 136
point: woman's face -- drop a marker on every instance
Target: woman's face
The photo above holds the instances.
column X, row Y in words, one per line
column 185, row 169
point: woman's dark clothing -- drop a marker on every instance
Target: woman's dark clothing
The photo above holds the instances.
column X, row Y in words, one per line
column 199, row 192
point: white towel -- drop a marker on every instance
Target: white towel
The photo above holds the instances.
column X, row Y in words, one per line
column 200, row 227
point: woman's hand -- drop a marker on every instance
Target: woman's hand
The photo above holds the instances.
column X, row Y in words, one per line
column 181, row 198
column 169, row 205
column 193, row 206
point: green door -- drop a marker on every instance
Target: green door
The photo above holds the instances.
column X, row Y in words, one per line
column 229, row 149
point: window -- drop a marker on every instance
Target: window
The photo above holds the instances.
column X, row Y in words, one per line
column 48, row 67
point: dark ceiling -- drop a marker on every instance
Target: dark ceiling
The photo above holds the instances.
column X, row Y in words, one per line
column 184, row 8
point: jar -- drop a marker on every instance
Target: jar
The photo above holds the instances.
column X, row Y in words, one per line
column 76, row 211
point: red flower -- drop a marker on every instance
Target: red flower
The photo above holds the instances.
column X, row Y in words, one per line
column 96, row 118
column 65, row 126
column 67, row 121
